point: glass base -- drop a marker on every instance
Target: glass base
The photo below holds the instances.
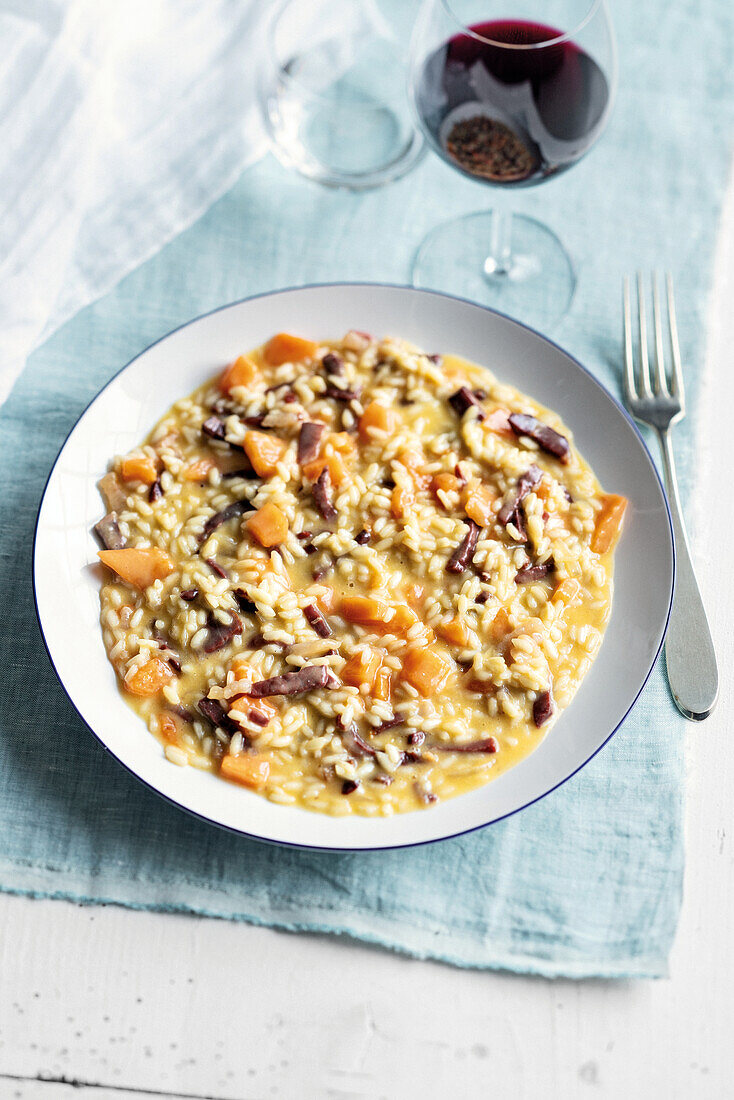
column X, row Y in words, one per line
column 530, row 277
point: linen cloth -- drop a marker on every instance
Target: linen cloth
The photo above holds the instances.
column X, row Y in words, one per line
column 586, row 882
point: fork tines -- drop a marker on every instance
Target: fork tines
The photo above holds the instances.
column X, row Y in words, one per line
column 656, row 383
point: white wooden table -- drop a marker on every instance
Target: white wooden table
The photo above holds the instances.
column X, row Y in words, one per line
column 100, row 1002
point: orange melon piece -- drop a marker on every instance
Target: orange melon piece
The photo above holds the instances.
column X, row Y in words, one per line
column 608, row 523
column 478, row 501
column 365, row 610
column 284, row 348
column 376, row 416
column 139, row 468
column 326, row 600
column 139, row 567
column 168, row 728
column 382, row 617
column 414, row 464
column 268, row 525
column 334, row 463
column 148, row 679
column 362, row 668
column 241, row 668
column 454, row 632
column 342, row 442
column 264, row 452
column 414, row 593
column 566, row 592
column 241, row 372
column 401, row 501
column 199, row 470
column 250, row 771
column 500, row 626
column 383, row 683
column 402, row 620
column 426, row 671
column 499, row 421
column 445, row 483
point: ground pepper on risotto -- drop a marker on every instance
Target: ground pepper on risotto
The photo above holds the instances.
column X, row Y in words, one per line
column 353, row 576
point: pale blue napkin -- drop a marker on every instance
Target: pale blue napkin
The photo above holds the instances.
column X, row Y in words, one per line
column 586, row 882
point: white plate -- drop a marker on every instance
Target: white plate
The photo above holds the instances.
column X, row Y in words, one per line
column 67, row 580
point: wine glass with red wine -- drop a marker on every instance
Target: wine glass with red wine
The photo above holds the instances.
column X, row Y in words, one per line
column 510, row 93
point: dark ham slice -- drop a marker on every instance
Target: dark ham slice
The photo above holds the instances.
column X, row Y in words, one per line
column 517, row 519
column 309, row 441
column 295, row 683
column 463, row 399
column 189, row 594
column 332, row 364
column 214, row 428
column 547, row 439
column 525, row 484
column 362, row 537
column 317, row 621
column 487, row 744
column 217, row 568
column 156, row 491
column 235, row 509
column 412, row 758
column 355, row 743
column 530, row 573
column 183, row 712
column 464, row 552
column 391, row 723
column 259, row 641
column 338, row 394
column 242, row 471
column 221, row 634
column 321, row 492
column 108, row 532
column 258, row 717
column 215, row 713
column 349, row 786
column 542, row 708
column 244, row 602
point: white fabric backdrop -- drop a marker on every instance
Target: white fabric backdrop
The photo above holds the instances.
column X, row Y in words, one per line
column 121, row 121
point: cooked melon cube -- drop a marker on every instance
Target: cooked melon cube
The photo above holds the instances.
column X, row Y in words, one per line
column 284, row 348
column 268, row 525
column 426, row 671
column 138, row 566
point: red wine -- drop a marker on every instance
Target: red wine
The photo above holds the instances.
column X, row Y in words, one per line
column 512, row 116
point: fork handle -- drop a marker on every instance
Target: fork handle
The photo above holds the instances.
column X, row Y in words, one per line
column 689, row 650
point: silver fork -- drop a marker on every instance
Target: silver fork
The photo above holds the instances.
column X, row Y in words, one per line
column 655, row 400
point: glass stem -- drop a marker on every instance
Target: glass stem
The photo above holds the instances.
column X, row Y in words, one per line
column 499, row 260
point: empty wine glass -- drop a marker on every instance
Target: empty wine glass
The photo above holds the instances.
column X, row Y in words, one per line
column 510, row 93
column 333, row 92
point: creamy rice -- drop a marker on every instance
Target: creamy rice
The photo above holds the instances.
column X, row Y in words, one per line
column 435, row 551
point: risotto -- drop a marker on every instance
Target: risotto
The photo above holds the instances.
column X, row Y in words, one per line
column 354, row 577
